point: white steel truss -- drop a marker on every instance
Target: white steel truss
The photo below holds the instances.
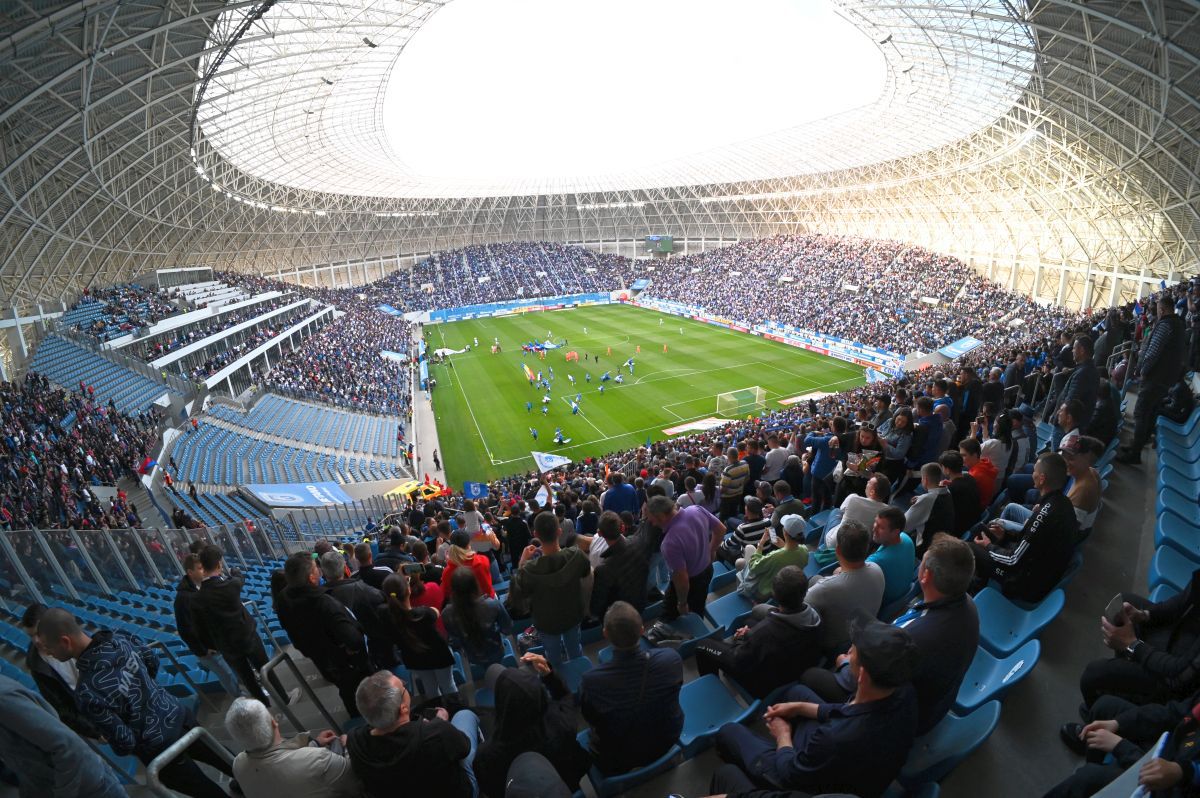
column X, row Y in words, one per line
column 1070, row 171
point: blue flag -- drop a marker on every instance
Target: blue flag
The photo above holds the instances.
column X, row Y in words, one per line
column 1162, row 284
column 475, row 490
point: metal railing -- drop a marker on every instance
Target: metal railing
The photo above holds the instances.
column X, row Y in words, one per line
column 208, row 702
column 178, row 749
column 281, row 700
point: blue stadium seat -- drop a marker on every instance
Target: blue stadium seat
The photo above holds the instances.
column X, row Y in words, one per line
column 723, row 576
column 990, row 678
column 940, row 750
column 572, row 671
column 607, row 786
column 1004, row 627
column 707, row 706
column 729, row 611
column 1170, row 567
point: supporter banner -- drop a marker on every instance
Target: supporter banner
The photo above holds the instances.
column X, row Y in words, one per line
column 549, row 462
column 639, row 285
column 475, row 490
column 299, row 494
column 531, row 305
column 396, row 356
column 874, row 375
column 388, row 309
column 960, row 347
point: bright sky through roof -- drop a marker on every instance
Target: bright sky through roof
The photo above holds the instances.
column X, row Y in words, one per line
column 551, row 89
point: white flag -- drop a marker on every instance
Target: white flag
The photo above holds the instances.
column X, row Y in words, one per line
column 549, row 462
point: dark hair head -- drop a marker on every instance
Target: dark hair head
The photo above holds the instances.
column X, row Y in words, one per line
column 951, row 565
column 951, row 461
column 297, row 569
column 610, row 525
column 853, row 541
column 970, row 446
column 211, row 556
column 623, row 625
column 464, row 597
column 789, row 588
column 545, row 527
column 894, row 517
column 362, row 553
column 33, row 614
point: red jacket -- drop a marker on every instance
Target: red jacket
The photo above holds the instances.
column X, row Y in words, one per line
column 482, row 567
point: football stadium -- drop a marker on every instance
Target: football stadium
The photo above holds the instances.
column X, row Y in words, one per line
column 501, row 398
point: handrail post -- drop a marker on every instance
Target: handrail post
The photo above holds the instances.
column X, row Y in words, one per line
column 266, row 670
column 177, row 749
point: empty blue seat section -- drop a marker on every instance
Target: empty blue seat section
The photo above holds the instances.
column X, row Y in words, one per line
column 67, row 364
column 369, row 435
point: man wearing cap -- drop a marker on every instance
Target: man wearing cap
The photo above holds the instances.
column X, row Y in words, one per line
column 856, row 747
column 690, row 538
column 769, row 652
column 759, row 570
column 748, row 532
column 943, row 624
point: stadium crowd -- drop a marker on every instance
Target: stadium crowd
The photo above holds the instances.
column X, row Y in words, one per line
column 874, row 292
column 343, row 365
column 245, row 341
column 126, row 307
column 190, row 333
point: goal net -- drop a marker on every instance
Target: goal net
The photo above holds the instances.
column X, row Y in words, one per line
column 746, row 400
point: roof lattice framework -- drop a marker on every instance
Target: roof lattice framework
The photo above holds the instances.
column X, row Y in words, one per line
column 1053, row 144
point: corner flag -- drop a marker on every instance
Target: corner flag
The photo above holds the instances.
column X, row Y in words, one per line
column 549, row 462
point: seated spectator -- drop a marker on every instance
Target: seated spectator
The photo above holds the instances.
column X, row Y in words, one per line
column 322, row 628
column 461, row 556
column 927, row 434
column 860, row 509
column 944, row 626
column 534, row 712
column 748, row 532
column 757, row 575
column 551, row 579
column 822, row 748
column 305, row 766
column 999, row 448
column 431, row 755
column 48, row 758
column 768, row 653
column 56, row 680
column 623, row 570
column 1029, row 563
column 1121, row 735
column 1081, row 453
column 1107, row 414
column 414, row 632
column 854, row 589
column 964, row 492
column 932, row 511
column 896, row 437
column 632, row 701
column 786, row 503
column 117, row 692
column 895, row 553
column 1156, row 651
column 476, row 624
column 982, row 470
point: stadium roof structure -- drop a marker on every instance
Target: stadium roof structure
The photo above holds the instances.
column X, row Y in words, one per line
column 1052, row 144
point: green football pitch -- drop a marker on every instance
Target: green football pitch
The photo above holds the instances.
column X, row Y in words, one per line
column 484, row 426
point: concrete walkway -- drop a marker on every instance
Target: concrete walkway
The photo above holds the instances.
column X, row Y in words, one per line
column 424, row 428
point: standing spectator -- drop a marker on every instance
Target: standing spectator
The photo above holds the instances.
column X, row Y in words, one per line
column 118, row 694
column 365, row 603
column 322, row 629
column 49, row 758
column 516, row 533
column 55, row 680
column 222, row 623
column 368, row 571
column 476, row 624
column 1160, row 365
column 620, row 496
column 623, row 571
column 690, row 538
column 433, row 756
column 551, row 578
column 302, row 767
column 733, row 483
column 422, row 648
column 1083, row 384
column 631, row 702
column 186, row 592
column 461, row 556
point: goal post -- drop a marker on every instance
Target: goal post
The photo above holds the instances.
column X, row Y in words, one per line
column 744, row 400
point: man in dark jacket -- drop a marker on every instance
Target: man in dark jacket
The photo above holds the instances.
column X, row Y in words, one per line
column 1030, row 563
column 623, row 570
column 1160, row 364
column 631, row 702
column 118, row 694
column 51, row 676
column 1084, row 382
column 857, row 747
column 428, row 757
column 185, row 593
column 394, row 555
column 221, row 622
column 365, row 603
column 516, row 533
column 1156, row 651
column 322, row 629
column 368, row 570
column 768, row 653
column 964, row 492
column 943, row 625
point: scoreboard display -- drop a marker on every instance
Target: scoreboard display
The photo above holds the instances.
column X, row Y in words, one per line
column 660, row 244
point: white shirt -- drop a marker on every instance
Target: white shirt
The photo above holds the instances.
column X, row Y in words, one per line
column 855, row 508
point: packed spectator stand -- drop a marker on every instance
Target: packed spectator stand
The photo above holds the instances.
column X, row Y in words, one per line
column 1040, row 386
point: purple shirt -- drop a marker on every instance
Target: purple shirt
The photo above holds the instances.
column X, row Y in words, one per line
column 687, row 539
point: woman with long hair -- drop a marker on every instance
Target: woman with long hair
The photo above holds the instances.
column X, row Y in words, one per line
column 475, row 624
column 866, row 448
column 461, row 556
column 999, row 447
column 712, row 496
column 896, row 440
column 414, row 631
